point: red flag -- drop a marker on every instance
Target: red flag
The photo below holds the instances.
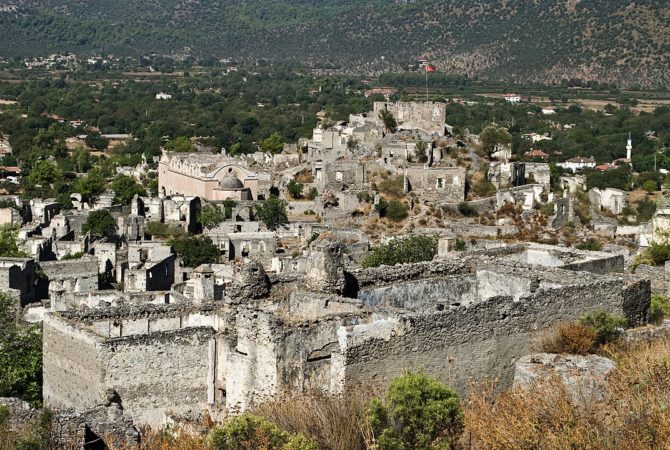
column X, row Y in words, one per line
column 430, row 68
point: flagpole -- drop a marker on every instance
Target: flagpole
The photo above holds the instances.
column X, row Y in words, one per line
column 426, row 70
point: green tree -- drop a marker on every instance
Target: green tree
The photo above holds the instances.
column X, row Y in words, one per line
column 195, row 250
column 493, row 137
column 20, row 355
column 95, row 141
column 8, row 246
column 211, row 216
column 125, row 189
column 403, row 250
column 273, row 143
column 295, row 189
column 100, row 223
column 389, row 121
column 82, row 159
column 253, row 432
column 91, row 185
column 272, row 212
column 180, row 144
column 418, row 413
column 45, row 174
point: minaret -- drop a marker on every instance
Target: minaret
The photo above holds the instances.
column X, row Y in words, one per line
column 629, row 148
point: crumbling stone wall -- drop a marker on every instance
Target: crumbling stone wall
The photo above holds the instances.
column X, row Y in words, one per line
column 72, row 366
column 174, row 367
column 480, row 340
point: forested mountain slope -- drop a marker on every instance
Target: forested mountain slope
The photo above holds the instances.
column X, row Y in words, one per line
column 543, row 40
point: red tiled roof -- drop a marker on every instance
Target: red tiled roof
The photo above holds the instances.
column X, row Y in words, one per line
column 12, row 169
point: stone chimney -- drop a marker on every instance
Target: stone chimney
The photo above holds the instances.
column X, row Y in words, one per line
column 325, row 268
column 203, row 284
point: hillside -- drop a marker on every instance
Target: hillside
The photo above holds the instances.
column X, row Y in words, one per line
column 541, row 40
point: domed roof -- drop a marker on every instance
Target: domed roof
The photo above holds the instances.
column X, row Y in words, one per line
column 230, row 182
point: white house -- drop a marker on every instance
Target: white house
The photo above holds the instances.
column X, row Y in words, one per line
column 163, row 96
column 513, row 98
column 578, row 163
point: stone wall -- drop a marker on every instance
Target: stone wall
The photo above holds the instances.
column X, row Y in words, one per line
column 72, row 366
column 481, row 340
column 161, row 372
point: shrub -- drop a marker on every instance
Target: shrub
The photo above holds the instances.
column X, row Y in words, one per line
column 547, row 209
column 312, row 193
column 606, row 326
column 162, row 230
column 484, row 188
column 419, row 412
column 654, row 255
column 403, row 250
column 393, row 186
column 659, row 309
column 466, row 210
column 396, row 211
column 649, row 186
column 460, row 245
column 381, row 207
column 295, row 189
column 572, row 338
column 364, row 197
column 631, row 414
column 590, row 244
column 645, row 210
column 250, row 432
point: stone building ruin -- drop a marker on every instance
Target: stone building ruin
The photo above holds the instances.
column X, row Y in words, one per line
column 329, row 330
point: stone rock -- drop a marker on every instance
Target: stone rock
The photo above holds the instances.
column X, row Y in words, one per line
column 582, row 376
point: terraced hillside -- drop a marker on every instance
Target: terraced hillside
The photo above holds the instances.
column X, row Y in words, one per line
column 539, row 40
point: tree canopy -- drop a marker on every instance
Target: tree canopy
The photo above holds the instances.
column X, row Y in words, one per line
column 272, row 212
column 125, row 189
column 100, row 223
column 20, row 355
column 195, row 250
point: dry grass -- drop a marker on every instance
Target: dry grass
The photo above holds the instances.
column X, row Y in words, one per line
column 634, row 414
column 336, row 423
column 571, row 338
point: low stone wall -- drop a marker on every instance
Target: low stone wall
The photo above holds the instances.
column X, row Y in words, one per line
column 377, row 276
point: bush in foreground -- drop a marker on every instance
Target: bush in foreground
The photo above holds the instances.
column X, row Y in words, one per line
column 572, row 338
column 632, row 414
column 419, row 412
column 250, row 432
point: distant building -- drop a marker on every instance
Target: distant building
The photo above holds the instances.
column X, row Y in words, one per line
column 163, row 96
column 513, row 98
column 536, row 153
column 578, row 163
column 548, row 111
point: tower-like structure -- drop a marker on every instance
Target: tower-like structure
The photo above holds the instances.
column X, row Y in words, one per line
column 629, row 148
